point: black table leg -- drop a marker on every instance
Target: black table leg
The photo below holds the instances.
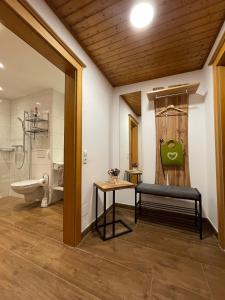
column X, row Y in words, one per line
column 200, row 217
column 135, row 207
column 140, row 204
column 113, row 223
column 104, row 222
column 96, row 209
column 196, row 213
column 114, row 207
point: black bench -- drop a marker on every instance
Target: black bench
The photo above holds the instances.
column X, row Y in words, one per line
column 184, row 193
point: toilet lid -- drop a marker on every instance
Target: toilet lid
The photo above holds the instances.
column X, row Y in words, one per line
column 23, row 183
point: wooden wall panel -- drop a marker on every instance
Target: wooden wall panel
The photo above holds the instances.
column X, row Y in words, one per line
column 172, row 127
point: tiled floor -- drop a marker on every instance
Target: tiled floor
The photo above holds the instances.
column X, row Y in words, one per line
column 152, row 262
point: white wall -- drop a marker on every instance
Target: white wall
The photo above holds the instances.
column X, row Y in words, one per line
column 196, row 132
column 97, row 96
column 5, row 157
column 57, row 127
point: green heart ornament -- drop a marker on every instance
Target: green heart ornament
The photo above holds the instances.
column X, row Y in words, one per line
column 172, row 153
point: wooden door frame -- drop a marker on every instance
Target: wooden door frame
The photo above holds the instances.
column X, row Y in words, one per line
column 132, row 120
column 217, row 61
column 21, row 19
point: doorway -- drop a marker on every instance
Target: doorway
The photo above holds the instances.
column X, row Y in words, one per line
column 133, row 145
column 19, row 17
column 218, row 64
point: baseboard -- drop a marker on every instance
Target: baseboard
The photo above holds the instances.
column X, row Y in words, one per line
column 131, row 207
column 209, row 223
column 126, row 206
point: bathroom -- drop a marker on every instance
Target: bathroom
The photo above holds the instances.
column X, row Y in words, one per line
column 31, row 127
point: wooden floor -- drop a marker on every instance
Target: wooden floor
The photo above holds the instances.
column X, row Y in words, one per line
column 152, row 262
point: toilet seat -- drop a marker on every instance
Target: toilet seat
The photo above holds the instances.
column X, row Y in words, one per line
column 26, row 183
column 33, row 190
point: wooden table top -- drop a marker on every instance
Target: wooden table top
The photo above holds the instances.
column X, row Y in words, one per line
column 134, row 172
column 107, row 186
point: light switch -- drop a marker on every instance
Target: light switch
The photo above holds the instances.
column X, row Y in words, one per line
column 85, row 157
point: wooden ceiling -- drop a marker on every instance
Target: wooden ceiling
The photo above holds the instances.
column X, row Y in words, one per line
column 178, row 40
column 133, row 100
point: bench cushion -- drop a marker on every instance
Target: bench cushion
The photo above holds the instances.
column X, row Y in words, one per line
column 169, row 191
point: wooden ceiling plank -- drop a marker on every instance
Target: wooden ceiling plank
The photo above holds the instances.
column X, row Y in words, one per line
column 110, row 16
column 196, row 12
column 153, row 40
column 148, row 57
column 176, row 41
column 138, row 70
column 125, row 25
column 159, row 34
column 72, row 6
column 134, row 79
column 90, row 9
column 161, row 60
column 57, row 3
column 133, row 100
column 102, row 17
column 158, row 66
column 195, row 61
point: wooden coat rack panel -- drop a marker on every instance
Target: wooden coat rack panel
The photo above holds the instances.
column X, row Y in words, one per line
column 173, row 125
column 173, row 91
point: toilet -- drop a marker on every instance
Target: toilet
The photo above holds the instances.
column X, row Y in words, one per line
column 31, row 189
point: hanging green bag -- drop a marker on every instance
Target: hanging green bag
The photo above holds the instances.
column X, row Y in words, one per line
column 172, row 153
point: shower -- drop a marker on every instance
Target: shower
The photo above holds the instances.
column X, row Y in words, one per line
column 23, row 146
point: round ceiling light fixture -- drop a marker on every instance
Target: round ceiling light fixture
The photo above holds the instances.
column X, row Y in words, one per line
column 141, row 15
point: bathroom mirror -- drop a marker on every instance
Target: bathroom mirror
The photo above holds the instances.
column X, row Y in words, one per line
column 130, row 136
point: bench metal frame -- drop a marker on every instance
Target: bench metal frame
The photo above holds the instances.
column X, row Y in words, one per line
column 196, row 211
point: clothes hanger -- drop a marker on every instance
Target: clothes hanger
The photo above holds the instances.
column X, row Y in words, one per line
column 169, row 108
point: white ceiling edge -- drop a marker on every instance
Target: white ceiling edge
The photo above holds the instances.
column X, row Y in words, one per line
column 25, row 71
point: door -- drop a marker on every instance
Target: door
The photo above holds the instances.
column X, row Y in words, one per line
column 133, row 151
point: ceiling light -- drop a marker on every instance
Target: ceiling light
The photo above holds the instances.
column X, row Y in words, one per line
column 141, row 15
column 1, row 100
column 1, row 66
column 1, row 88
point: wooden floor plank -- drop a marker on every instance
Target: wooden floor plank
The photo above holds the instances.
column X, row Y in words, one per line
column 155, row 261
column 22, row 280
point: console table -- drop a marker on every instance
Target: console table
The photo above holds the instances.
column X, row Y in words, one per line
column 107, row 186
column 137, row 173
